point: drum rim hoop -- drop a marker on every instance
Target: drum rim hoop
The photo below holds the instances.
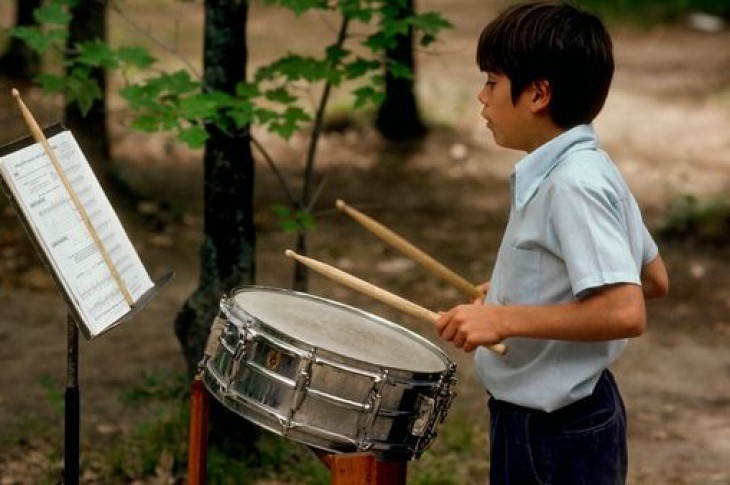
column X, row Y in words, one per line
column 229, row 310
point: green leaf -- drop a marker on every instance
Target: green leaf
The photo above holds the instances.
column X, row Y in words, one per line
column 84, row 99
column 299, row 6
column 38, row 40
column 138, row 57
column 96, row 53
column 139, row 96
column 335, row 54
column 305, row 220
column 54, row 12
column 359, row 67
column 280, row 95
column 289, row 225
column 354, row 10
column 179, row 82
column 430, row 22
column 400, row 70
column 427, row 40
column 241, row 112
column 288, row 123
column 367, row 94
column 379, row 42
column 280, row 211
column 194, row 136
column 199, row 106
column 285, row 218
column 293, row 220
column 264, row 116
column 294, row 67
column 82, row 89
column 146, row 123
column 51, row 83
column 169, row 119
column 247, row 90
column 392, row 29
column 219, row 98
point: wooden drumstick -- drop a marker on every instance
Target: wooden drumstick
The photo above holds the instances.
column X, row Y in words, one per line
column 410, row 250
column 40, row 138
column 376, row 292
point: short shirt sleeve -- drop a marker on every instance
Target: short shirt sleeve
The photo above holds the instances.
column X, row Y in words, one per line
column 591, row 229
column 651, row 250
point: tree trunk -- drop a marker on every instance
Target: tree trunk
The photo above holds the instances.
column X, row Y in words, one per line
column 20, row 62
column 228, row 248
column 88, row 22
column 398, row 117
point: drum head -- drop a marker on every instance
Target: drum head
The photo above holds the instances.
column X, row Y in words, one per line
column 338, row 328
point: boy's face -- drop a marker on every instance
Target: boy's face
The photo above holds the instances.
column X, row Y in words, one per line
column 509, row 123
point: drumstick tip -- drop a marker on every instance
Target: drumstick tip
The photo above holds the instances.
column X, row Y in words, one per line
column 500, row 349
column 340, row 204
column 15, row 93
column 289, row 253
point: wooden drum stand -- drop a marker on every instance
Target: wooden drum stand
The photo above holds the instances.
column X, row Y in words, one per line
column 362, row 469
column 345, row 469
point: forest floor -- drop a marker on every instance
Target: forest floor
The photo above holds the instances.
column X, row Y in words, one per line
column 666, row 124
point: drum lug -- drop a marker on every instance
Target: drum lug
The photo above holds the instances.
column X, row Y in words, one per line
column 241, row 350
column 423, row 423
column 446, row 393
column 370, row 410
column 213, row 342
column 304, row 377
column 433, row 410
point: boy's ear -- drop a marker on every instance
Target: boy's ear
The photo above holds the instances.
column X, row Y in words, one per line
column 541, row 94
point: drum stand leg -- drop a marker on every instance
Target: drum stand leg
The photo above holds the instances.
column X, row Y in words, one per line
column 363, row 469
column 198, row 435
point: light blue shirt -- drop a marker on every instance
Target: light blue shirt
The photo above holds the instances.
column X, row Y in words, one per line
column 574, row 226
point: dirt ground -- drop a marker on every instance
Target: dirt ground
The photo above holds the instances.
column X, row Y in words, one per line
column 666, row 124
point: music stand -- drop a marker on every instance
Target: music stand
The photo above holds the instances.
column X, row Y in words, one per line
column 74, row 319
column 72, row 398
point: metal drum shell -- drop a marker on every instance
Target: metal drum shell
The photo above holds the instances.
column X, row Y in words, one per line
column 321, row 397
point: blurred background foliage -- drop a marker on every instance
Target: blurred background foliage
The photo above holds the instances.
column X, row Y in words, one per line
column 649, row 12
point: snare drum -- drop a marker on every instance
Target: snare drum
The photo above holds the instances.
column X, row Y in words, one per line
column 328, row 375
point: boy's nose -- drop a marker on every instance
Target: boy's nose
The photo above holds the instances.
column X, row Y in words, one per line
column 482, row 96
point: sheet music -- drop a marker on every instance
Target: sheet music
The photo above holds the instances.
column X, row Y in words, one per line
column 67, row 242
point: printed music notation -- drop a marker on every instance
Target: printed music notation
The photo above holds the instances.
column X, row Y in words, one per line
column 58, row 227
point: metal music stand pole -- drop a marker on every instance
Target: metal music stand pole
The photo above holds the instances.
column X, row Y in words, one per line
column 72, row 408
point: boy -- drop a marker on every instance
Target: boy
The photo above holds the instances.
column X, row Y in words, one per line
column 575, row 264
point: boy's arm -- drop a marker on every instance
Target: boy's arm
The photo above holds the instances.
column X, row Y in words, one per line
column 654, row 278
column 612, row 312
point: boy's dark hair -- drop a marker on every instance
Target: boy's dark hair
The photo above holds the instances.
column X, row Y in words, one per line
column 555, row 41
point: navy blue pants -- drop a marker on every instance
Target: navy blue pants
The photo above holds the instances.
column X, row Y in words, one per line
column 582, row 443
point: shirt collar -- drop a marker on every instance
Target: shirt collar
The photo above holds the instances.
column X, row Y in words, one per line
column 532, row 170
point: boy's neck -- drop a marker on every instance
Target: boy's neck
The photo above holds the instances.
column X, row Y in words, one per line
column 542, row 133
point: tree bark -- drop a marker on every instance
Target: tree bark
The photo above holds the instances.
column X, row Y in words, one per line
column 399, row 118
column 20, row 62
column 88, row 22
column 228, row 248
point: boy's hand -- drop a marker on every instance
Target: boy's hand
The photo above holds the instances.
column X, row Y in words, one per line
column 469, row 326
column 484, row 288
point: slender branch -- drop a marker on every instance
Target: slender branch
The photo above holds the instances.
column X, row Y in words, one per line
column 116, row 9
column 319, row 121
column 319, row 189
column 275, row 169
